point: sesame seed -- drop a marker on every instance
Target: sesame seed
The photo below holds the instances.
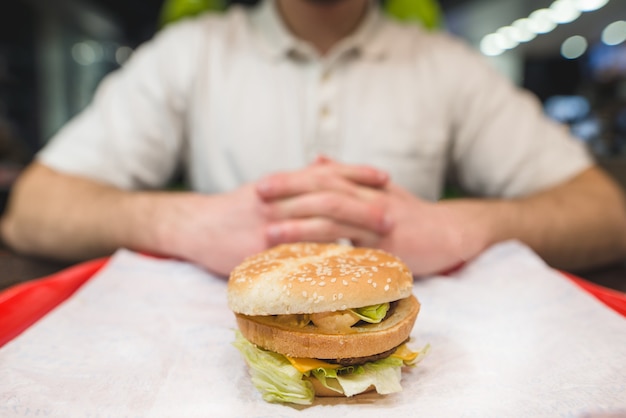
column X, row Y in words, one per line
column 340, row 296
column 345, row 283
column 322, row 284
column 386, row 287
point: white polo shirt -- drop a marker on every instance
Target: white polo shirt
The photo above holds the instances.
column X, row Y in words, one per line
column 232, row 97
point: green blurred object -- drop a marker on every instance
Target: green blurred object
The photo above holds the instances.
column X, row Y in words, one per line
column 174, row 10
column 426, row 12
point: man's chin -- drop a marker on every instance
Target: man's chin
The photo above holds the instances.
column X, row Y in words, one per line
column 324, row 1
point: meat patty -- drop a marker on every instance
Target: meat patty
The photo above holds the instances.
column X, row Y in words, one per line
column 356, row 361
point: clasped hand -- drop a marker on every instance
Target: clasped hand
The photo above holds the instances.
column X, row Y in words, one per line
column 328, row 201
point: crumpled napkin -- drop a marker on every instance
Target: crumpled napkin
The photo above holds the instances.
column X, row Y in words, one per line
column 147, row 337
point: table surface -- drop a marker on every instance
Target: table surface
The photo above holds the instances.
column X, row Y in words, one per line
column 16, row 268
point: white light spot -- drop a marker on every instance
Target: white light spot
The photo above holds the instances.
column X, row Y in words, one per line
column 573, row 47
column 490, row 45
column 541, row 21
column 564, row 11
column 615, row 33
column 122, row 54
column 87, row 53
column 589, row 5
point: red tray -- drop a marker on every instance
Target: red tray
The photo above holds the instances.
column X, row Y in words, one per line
column 24, row 304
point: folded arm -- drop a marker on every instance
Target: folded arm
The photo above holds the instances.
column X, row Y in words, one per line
column 61, row 216
column 575, row 225
column 67, row 217
column 578, row 224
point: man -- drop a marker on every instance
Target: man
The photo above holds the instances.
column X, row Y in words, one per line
column 313, row 120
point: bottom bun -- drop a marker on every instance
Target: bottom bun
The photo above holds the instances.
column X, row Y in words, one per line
column 323, row 391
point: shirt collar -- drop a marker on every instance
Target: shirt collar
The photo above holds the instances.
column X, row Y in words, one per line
column 279, row 42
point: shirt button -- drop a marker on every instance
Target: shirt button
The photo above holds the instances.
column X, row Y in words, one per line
column 324, row 112
column 325, row 76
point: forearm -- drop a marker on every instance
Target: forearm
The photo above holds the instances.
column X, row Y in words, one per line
column 67, row 217
column 576, row 225
column 55, row 215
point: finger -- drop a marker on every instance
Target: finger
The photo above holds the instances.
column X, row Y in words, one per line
column 284, row 185
column 326, row 176
column 322, row 159
column 361, row 174
column 318, row 230
column 339, row 207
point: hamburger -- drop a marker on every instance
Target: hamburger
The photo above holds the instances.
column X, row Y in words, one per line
column 323, row 319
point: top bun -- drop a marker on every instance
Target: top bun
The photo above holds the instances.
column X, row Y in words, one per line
column 310, row 277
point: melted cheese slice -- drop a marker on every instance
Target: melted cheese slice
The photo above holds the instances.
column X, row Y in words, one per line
column 405, row 353
column 304, row 365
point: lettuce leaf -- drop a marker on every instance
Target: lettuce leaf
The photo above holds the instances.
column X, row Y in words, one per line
column 279, row 381
column 373, row 313
column 383, row 374
column 273, row 375
column 328, row 378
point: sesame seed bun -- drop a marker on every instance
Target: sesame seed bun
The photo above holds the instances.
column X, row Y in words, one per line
column 311, row 277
